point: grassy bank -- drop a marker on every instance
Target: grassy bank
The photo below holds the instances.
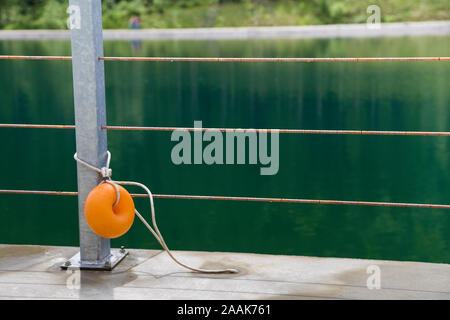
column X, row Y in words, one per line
column 51, row 14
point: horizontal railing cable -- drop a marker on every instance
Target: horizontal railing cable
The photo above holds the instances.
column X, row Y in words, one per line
column 219, row 59
column 212, row 59
column 298, row 131
column 293, row 131
column 252, row 199
column 35, row 57
column 37, row 126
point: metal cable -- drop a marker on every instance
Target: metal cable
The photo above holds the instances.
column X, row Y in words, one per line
column 36, row 126
column 251, row 199
column 218, row 59
column 215, row 59
column 3, row 57
column 298, row 131
column 294, row 131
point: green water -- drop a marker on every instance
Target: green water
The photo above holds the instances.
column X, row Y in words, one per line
column 368, row 96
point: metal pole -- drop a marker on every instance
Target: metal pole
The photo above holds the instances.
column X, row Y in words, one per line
column 90, row 116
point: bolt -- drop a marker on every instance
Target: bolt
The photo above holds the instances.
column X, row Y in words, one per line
column 108, row 264
column 68, row 263
column 122, row 249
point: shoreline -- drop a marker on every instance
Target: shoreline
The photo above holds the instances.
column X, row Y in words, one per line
column 399, row 29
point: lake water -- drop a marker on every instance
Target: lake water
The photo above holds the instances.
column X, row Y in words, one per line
column 362, row 96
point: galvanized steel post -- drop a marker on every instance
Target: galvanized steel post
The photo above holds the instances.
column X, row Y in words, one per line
column 90, row 116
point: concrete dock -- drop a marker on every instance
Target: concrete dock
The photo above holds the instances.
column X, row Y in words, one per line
column 33, row 272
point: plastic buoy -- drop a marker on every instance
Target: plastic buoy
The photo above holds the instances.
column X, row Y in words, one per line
column 105, row 219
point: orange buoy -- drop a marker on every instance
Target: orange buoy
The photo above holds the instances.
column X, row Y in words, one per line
column 105, row 219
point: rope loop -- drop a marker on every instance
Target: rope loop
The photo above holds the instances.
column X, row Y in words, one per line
column 106, row 172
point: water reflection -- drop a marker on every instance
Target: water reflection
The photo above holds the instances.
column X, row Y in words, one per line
column 371, row 96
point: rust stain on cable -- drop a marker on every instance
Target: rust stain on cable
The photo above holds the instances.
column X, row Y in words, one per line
column 37, row 126
column 303, row 131
column 225, row 198
column 50, row 193
column 298, row 131
column 35, row 58
column 217, row 59
column 304, row 201
column 206, row 59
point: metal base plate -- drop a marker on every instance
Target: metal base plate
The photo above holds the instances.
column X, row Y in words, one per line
column 107, row 264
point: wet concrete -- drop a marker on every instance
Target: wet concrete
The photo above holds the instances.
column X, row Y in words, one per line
column 33, row 272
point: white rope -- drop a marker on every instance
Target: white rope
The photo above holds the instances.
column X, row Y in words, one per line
column 106, row 174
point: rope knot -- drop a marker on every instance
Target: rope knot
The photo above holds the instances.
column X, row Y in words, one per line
column 106, row 172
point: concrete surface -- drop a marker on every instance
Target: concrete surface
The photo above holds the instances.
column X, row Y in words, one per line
column 33, row 272
column 321, row 31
